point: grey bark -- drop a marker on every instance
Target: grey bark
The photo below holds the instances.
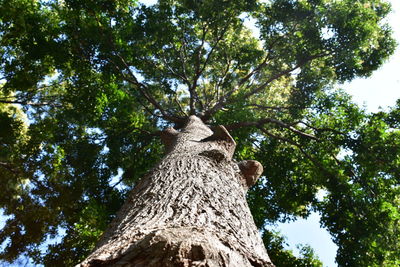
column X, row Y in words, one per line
column 190, row 210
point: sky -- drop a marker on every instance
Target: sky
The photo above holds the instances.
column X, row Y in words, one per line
column 381, row 90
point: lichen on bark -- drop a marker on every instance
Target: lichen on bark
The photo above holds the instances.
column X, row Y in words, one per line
column 189, row 210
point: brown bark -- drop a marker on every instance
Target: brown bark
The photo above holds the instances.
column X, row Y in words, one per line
column 190, row 210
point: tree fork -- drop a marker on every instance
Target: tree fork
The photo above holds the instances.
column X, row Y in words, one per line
column 190, row 210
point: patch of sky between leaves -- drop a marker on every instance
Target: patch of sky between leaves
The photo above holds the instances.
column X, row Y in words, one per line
column 22, row 260
column 148, row 2
column 327, row 33
column 116, row 180
column 3, row 219
column 250, row 23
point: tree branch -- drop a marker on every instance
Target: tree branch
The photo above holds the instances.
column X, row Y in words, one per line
column 180, row 106
column 282, row 73
column 262, row 107
column 181, row 76
column 256, row 70
column 223, row 77
column 192, row 89
column 298, row 146
column 143, row 91
column 199, row 70
column 133, row 80
column 226, row 99
column 9, row 167
column 174, row 74
column 322, row 129
column 261, row 122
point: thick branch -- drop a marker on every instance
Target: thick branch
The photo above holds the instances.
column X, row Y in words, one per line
column 256, row 70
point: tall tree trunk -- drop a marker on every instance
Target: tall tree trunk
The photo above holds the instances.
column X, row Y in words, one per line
column 190, row 210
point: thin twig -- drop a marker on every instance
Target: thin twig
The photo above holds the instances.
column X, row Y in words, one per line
column 262, row 107
column 226, row 99
column 261, row 122
column 143, row 89
column 298, row 146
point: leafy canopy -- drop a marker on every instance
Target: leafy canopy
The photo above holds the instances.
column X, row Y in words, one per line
column 86, row 86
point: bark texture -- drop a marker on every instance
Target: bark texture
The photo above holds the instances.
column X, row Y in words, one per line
column 190, row 210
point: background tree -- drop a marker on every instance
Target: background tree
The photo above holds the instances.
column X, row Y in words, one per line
column 97, row 80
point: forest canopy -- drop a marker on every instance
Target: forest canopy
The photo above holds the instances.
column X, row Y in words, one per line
column 87, row 86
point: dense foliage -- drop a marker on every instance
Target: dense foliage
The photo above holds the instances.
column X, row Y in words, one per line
column 86, row 85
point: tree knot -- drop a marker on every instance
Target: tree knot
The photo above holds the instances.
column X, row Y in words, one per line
column 251, row 171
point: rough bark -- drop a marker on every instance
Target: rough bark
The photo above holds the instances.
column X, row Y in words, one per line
column 190, row 210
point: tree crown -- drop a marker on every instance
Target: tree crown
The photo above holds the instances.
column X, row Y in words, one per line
column 98, row 80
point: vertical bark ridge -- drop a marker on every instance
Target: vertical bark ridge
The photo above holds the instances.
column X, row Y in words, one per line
column 190, row 210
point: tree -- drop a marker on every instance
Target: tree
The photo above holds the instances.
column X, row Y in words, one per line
column 190, row 209
column 99, row 81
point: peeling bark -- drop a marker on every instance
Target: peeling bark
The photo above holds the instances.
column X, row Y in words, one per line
column 190, row 210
